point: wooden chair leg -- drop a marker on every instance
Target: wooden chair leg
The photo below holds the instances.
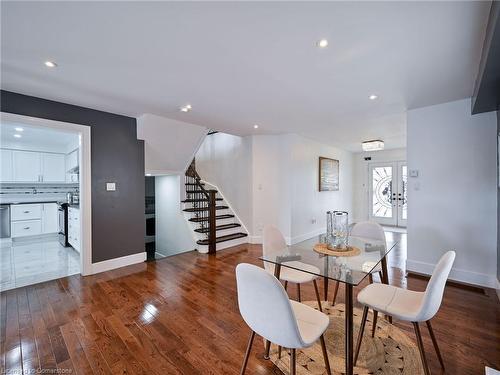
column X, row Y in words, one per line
column 317, row 295
column 268, row 348
column 360, row 335
column 298, row 293
column 421, row 348
column 434, row 342
column 380, row 275
column 370, row 278
column 374, row 325
column 335, row 291
column 286, row 284
column 293, row 362
column 279, row 352
column 247, row 354
column 325, row 355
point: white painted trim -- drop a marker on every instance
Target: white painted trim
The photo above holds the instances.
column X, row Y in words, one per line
column 498, row 289
column 488, row 281
column 85, row 178
column 307, row 236
column 255, row 239
column 112, row 264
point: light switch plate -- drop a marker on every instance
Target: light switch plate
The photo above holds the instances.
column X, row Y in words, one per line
column 413, row 172
column 110, row 186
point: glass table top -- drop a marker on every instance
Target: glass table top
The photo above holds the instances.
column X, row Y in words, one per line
column 346, row 269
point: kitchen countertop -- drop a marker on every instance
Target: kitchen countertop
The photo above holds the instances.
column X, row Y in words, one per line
column 31, row 198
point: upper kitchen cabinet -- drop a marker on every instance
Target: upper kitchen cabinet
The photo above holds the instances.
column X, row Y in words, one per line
column 53, row 167
column 6, row 164
column 72, row 161
column 29, row 166
column 26, row 166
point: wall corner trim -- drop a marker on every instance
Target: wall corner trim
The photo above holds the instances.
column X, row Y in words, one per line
column 112, row 264
column 480, row 279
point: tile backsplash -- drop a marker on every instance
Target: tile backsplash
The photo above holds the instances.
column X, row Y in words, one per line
column 36, row 190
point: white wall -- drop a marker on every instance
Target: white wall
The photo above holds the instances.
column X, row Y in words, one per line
column 452, row 204
column 173, row 235
column 309, row 205
column 360, row 177
column 272, row 185
column 225, row 160
column 169, row 144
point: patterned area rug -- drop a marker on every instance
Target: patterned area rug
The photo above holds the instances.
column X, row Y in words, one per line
column 390, row 352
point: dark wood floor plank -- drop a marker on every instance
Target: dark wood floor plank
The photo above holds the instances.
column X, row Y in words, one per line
column 179, row 315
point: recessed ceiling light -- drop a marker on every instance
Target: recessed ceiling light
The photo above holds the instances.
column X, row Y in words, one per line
column 186, row 108
column 148, row 174
column 323, row 43
column 19, row 129
column 50, row 64
column 17, row 135
column 189, row 106
column 256, row 126
column 373, row 97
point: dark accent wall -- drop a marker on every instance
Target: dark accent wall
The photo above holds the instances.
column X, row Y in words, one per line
column 118, row 227
column 498, row 204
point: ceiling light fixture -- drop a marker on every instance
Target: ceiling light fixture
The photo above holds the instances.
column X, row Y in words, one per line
column 373, row 97
column 186, row 108
column 375, row 145
column 323, row 43
column 148, row 174
column 256, row 126
column 17, row 135
column 50, row 64
column 19, row 129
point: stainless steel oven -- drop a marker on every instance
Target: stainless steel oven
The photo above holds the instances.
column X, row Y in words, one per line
column 63, row 223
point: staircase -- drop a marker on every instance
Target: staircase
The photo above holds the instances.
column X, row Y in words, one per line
column 214, row 224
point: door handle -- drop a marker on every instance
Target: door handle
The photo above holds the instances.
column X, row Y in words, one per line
column 26, row 212
column 26, row 228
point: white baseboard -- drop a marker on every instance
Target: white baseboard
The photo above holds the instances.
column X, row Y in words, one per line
column 480, row 279
column 307, row 236
column 498, row 289
column 112, row 264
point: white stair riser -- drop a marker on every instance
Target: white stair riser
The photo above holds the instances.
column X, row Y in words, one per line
column 223, row 245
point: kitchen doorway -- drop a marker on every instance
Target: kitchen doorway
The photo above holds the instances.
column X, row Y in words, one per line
column 45, row 184
column 388, row 198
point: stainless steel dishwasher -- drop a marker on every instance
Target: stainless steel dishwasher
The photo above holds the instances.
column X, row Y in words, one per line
column 4, row 220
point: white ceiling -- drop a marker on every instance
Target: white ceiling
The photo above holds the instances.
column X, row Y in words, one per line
column 36, row 138
column 246, row 63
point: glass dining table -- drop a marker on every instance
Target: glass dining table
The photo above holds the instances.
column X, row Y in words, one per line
column 349, row 270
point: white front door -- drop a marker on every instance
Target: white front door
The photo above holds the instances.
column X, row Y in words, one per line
column 387, row 193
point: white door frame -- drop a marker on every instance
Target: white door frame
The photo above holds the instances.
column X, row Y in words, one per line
column 85, row 178
column 395, row 220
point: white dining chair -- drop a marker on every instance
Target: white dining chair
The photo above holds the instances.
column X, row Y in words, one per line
column 274, row 242
column 407, row 305
column 372, row 231
column 267, row 310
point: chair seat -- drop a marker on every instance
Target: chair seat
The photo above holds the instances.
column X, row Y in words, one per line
column 296, row 276
column 397, row 302
column 312, row 323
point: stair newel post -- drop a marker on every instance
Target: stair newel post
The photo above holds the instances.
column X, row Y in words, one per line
column 212, row 222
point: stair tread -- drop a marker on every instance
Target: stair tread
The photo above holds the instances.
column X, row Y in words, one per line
column 218, row 217
column 193, row 183
column 218, row 227
column 228, row 237
column 199, row 209
column 199, row 200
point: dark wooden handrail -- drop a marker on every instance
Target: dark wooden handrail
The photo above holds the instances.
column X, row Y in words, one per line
column 210, row 195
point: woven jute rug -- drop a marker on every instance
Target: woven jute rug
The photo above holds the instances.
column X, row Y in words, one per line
column 390, row 352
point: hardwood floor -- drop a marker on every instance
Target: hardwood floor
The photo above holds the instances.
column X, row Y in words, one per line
column 179, row 315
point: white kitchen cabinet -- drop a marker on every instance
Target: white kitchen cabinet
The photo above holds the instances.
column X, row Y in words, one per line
column 26, row 166
column 50, row 218
column 72, row 161
column 26, row 211
column 74, row 227
column 6, row 165
column 26, row 228
column 53, row 167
